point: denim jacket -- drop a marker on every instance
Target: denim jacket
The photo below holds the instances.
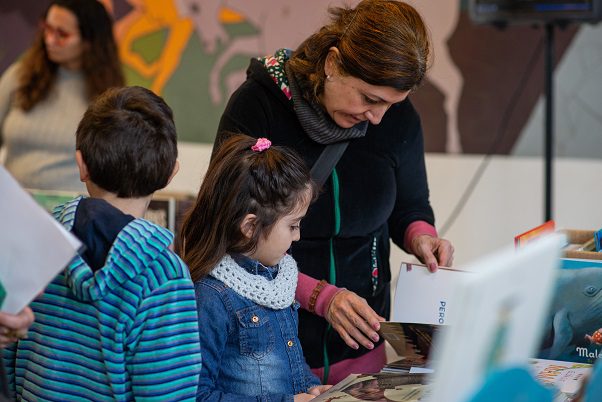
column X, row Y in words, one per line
column 250, row 352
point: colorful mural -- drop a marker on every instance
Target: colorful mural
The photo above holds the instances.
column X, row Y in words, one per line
column 479, row 95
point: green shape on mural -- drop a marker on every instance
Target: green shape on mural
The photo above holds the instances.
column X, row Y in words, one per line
column 187, row 92
column 149, row 49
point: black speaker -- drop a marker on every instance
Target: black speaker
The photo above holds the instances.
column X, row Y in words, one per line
column 535, row 11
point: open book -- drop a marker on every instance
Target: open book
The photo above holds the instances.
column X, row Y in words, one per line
column 566, row 377
column 33, row 246
column 383, row 387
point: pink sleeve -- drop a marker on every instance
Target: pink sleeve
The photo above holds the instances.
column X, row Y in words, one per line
column 306, row 285
column 417, row 228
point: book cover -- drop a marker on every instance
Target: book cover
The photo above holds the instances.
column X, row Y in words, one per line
column 573, row 328
column 532, row 234
column 379, row 387
column 498, row 315
column 422, row 297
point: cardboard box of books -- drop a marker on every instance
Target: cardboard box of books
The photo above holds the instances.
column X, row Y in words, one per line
column 577, row 244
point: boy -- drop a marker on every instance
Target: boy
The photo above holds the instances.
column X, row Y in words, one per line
column 120, row 322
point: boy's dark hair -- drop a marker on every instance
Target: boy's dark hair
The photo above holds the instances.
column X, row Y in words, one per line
column 127, row 139
column 240, row 181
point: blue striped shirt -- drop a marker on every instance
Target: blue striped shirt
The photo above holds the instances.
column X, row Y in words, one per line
column 127, row 331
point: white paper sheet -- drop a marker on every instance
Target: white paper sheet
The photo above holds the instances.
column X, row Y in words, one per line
column 33, row 246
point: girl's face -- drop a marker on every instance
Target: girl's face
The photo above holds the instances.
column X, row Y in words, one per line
column 62, row 38
column 349, row 100
column 271, row 248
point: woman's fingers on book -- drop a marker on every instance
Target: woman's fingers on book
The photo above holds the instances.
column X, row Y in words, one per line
column 354, row 320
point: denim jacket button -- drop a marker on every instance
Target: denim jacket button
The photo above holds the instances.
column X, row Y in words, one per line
column 255, row 319
column 290, row 343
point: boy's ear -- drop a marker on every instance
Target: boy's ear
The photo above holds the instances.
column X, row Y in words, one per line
column 176, row 168
column 247, row 226
column 84, row 176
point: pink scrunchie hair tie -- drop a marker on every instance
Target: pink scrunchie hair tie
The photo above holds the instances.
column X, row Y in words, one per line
column 261, row 145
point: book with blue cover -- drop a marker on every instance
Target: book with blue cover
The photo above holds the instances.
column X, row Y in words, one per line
column 573, row 330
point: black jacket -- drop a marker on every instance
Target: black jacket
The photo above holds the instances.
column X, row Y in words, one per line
column 382, row 188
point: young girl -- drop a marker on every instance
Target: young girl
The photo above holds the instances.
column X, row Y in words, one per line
column 235, row 242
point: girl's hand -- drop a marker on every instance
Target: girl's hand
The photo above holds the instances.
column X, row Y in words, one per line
column 304, row 397
column 318, row 389
column 354, row 320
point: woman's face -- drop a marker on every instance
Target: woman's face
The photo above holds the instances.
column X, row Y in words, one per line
column 349, row 100
column 62, row 38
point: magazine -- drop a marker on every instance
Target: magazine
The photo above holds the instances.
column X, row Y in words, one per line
column 385, row 387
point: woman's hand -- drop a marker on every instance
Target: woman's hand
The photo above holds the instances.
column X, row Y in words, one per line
column 433, row 251
column 354, row 320
column 14, row 327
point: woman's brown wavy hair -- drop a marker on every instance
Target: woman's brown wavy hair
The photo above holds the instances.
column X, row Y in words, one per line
column 100, row 60
column 382, row 42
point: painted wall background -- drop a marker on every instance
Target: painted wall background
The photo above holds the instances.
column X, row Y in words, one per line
column 482, row 96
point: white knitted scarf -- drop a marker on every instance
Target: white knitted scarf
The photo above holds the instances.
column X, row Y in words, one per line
column 276, row 294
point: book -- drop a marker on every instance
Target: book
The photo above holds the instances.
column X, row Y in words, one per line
column 411, row 341
column 422, row 297
column 532, row 234
column 497, row 318
column 566, row 378
column 34, row 247
column 385, row 387
column 573, row 327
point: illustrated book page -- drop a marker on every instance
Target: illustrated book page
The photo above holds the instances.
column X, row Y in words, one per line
column 380, row 387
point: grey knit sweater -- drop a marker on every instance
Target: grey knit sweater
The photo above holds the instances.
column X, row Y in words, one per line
column 40, row 144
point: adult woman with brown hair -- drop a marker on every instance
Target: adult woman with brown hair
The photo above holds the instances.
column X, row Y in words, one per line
column 44, row 95
column 349, row 84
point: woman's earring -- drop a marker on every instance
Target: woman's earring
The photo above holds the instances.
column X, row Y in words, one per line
column 328, row 78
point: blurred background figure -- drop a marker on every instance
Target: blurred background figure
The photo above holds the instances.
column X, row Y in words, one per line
column 45, row 93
